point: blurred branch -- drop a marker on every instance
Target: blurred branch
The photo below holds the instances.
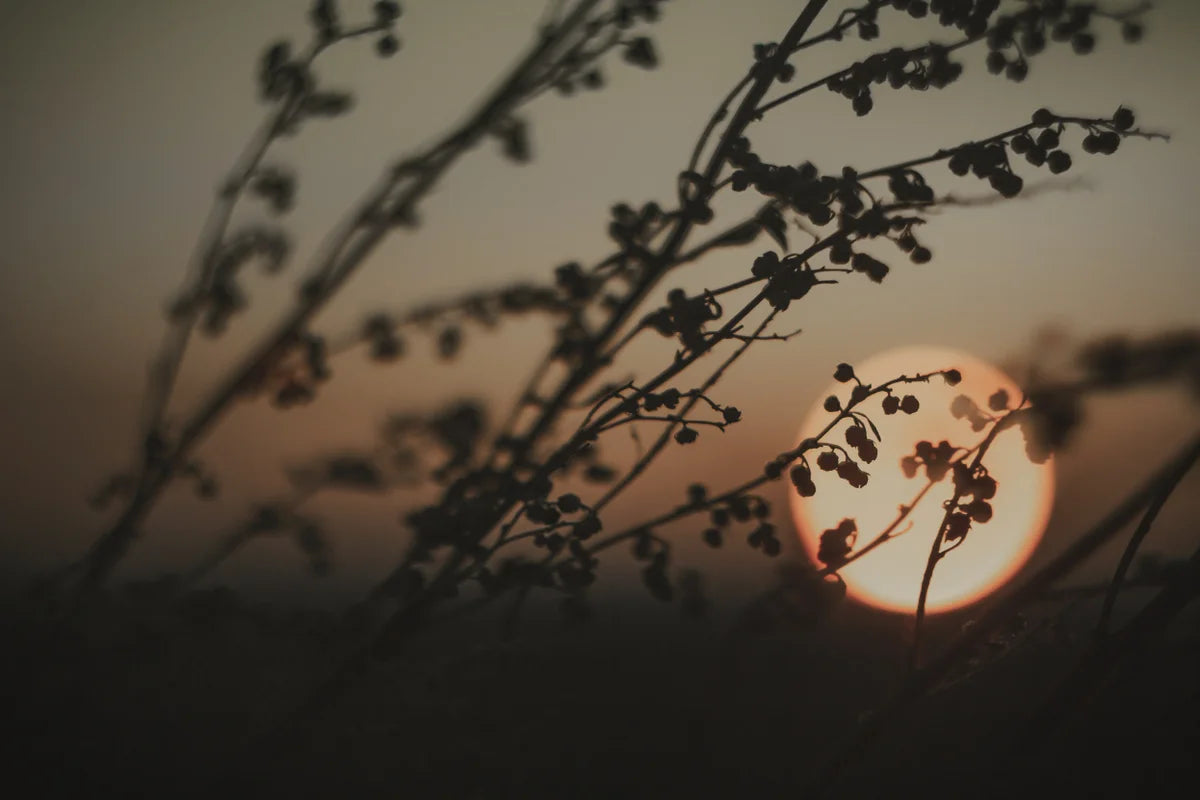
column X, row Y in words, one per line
column 1127, row 556
column 392, row 201
column 923, row 679
column 1107, row 654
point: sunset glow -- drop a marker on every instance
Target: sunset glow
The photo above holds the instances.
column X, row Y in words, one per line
column 890, row 576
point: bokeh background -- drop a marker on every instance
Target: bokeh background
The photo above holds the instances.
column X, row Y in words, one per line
column 121, row 116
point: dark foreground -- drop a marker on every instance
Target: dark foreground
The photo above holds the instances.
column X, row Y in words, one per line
column 158, row 702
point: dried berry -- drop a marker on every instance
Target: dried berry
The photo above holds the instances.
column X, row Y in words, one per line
column 1047, row 139
column 802, row 479
column 1123, row 119
column 1058, row 162
column 641, row 53
column 980, row 511
column 957, row 527
column 387, row 45
column 855, row 436
column 386, row 11
column 984, row 488
column 960, row 163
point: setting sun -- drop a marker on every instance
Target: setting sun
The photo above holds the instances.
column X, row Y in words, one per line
column 890, row 576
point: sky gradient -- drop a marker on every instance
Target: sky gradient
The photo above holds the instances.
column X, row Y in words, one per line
column 121, row 117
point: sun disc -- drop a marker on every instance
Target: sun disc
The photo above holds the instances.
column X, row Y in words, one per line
column 890, row 576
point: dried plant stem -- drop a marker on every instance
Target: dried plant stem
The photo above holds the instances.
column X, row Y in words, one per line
column 396, row 195
column 166, row 366
column 665, row 436
column 236, row 539
column 405, row 620
column 1105, row 655
column 1131, row 548
column 667, row 253
column 761, row 480
column 936, row 553
column 926, row 677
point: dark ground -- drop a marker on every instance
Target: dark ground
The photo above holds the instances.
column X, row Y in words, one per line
column 154, row 701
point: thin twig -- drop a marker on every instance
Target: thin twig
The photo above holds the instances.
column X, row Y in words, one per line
column 1127, row 556
column 1106, row 654
column 357, row 238
column 936, row 553
column 665, row 436
column 923, row 679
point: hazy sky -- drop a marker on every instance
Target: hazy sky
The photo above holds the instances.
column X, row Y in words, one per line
column 120, row 117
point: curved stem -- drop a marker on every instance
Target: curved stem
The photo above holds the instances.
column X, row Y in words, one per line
column 1131, row 548
column 936, row 553
column 923, row 679
column 1106, row 655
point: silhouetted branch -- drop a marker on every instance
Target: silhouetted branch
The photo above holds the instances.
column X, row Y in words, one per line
column 1001, row 610
column 391, row 202
column 404, row 621
column 936, row 552
column 501, row 494
column 1131, row 548
column 1107, row 653
column 773, row 471
column 664, row 437
column 204, row 258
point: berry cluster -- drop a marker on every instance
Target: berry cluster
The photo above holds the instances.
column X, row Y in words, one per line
column 224, row 297
column 787, row 280
column 836, row 543
column 744, row 508
column 630, row 228
column 963, row 407
column 936, row 460
column 685, row 317
column 973, row 488
column 800, row 188
column 928, row 67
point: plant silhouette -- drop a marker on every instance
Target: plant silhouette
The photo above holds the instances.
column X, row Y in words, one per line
column 504, row 524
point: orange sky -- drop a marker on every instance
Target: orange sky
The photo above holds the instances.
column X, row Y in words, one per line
column 121, row 116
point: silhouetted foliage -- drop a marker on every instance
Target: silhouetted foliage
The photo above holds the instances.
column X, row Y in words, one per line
column 511, row 479
column 509, row 517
